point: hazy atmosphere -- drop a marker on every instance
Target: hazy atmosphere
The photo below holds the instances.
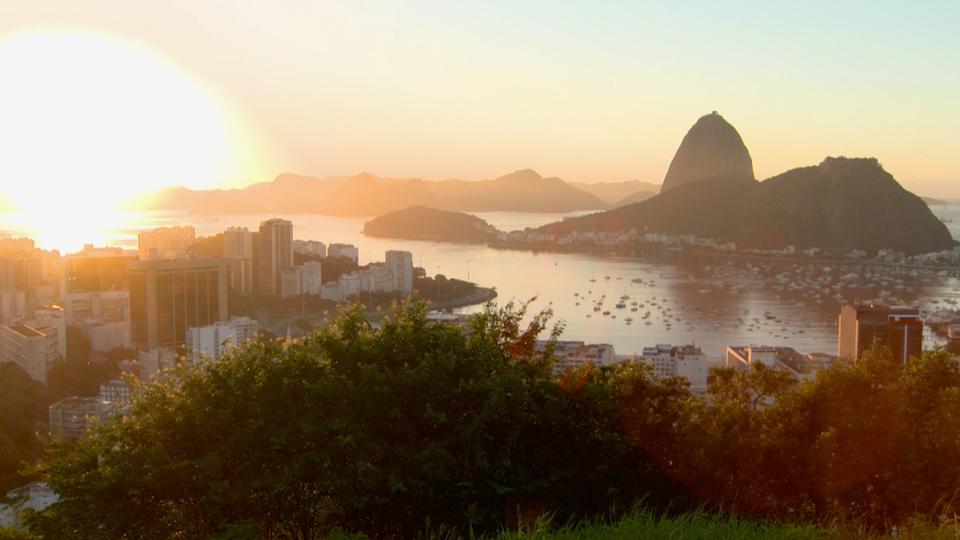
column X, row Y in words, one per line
column 237, row 92
column 492, row 270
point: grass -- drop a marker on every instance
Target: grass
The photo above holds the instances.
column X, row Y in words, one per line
column 642, row 525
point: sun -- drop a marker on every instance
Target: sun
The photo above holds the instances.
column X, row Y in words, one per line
column 89, row 120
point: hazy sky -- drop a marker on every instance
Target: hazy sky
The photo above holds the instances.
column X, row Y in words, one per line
column 589, row 91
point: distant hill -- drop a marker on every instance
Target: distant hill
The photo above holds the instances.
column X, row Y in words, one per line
column 613, row 193
column 841, row 203
column 422, row 223
column 711, row 149
column 934, row 202
column 367, row 195
column 639, row 196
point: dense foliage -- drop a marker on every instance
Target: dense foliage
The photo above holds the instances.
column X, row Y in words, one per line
column 385, row 432
column 418, row 427
column 23, row 417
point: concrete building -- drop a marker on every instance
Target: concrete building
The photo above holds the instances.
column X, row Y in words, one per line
column 239, row 246
column 13, row 305
column 34, row 351
column 275, row 255
column 165, row 243
column 70, row 417
column 574, row 354
column 116, row 392
column 801, row 366
column 102, row 316
column 331, row 291
column 311, row 278
column 686, row 361
column 898, row 327
column 351, row 284
column 150, row 362
column 97, row 269
column 168, row 297
column 348, row 251
column 310, row 247
column 213, row 340
column 291, row 282
column 400, row 266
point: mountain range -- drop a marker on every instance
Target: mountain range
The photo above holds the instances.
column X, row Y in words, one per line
column 367, row 194
column 710, row 191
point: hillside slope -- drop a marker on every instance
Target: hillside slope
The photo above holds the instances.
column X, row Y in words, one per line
column 841, row 203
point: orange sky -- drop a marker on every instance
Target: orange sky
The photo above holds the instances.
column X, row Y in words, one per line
column 235, row 92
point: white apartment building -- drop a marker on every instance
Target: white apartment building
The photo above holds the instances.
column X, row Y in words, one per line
column 574, row 354
column 34, row 351
column 311, row 278
column 351, row 284
column 291, row 282
column 400, row 265
column 686, row 361
column 213, row 340
column 344, row 250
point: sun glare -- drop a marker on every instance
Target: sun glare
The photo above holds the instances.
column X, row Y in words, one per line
column 88, row 121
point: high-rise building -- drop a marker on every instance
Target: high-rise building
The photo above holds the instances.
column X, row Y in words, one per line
column 275, row 255
column 400, row 266
column 311, row 278
column 70, row 417
column 97, row 269
column 238, row 245
column 168, row 297
column 348, row 251
column 166, row 243
column 29, row 348
column 213, row 340
column 898, row 327
column 291, row 282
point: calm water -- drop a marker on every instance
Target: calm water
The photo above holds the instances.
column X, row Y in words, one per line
column 678, row 300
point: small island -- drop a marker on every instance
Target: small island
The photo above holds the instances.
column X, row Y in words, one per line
column 424, row 223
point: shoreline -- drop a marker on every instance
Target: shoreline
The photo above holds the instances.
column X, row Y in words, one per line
column 481, row 295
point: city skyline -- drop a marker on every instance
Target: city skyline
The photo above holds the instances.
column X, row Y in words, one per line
column 439, row 91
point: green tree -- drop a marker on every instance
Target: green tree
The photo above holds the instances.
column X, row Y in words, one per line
column 23, row 420
column 387, row 432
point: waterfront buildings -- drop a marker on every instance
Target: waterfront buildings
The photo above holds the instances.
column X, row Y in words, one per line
column 574, row 354
column 686, row 361
column 348, row 251
column 898, row 327
column 400, row 266
column 801, row 366
column 275, row 255
column 165, row 243
column 168, row 297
